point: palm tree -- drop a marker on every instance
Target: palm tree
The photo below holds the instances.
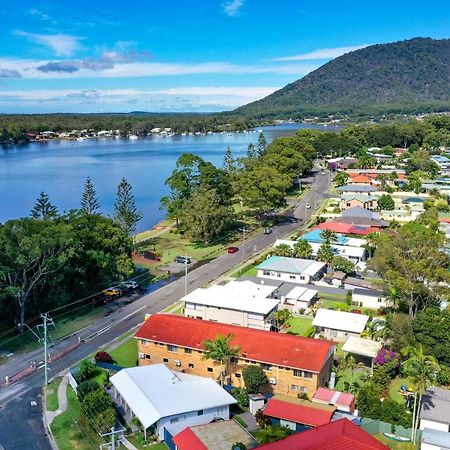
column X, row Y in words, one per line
column 329, row 236
column 220, row 349
column 272, row 433
column 421, row 369
column 283, row 250
column 302, row 249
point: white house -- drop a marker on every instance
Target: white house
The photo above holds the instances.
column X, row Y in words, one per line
column 158, row 397
column 294, row 270
column 370, row 298
column 339, row 325
column 228, row 305
column 298, row 298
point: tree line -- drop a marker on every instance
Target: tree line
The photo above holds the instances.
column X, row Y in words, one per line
column 50, row 259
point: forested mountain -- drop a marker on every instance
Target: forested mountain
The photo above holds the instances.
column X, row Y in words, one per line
column 408, row 77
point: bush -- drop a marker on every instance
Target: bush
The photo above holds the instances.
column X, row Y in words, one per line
column 104, row 357
column 241, row 395
column 443, row 376
column 86, row 387
column 254, row 379
column 86, row 370
column 261, row 419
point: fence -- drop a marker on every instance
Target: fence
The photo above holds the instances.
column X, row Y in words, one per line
column 378, row 426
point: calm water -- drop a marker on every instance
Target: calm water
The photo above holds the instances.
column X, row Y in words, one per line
column 59, row 168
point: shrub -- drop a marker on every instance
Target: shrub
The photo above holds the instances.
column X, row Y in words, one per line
column 254, row 379
column 104, row 357
column 85, row 371
column 261, row 419
column 241, row 395
column 443, row 376
column 86, row 387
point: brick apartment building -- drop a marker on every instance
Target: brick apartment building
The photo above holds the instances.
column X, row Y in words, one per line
column 293, row 364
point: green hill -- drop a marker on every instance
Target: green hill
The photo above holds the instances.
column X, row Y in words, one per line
column 408, row 77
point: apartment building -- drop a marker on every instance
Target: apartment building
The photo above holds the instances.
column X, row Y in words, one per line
column 292, row 364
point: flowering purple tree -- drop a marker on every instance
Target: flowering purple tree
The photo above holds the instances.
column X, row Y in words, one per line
column 385, row 355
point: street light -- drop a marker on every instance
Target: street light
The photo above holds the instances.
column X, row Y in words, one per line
column 186, row 259
column 244, row 230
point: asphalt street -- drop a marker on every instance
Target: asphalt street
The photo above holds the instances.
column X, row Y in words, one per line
column 21, row 425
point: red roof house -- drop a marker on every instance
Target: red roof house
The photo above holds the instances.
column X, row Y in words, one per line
column 257, row 345
column 297, row 413
column 342, row 400
column 339, row 435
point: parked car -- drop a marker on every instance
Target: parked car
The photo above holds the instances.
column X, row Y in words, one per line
column 232, row 249
column 308, row 206
column 129, row 285
column 112, row 292
column 183, row 260
column 268, row 230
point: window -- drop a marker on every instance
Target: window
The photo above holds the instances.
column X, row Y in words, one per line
column 292, row 277
column 238, row 375
column 172, row 348
column 222, row 409
column 307, row 374
column 165, row 360
column 234, row 360
column 210, row 369
column 297, row 373
column 191, row 366
column 380, row 300
column 294, row 387
column 266, row 272
column 147, row 356
column 143, row 342
column 302, row 277
column 188, row 351
column 279, row 275
column 349, row 204
column 177, row 419
column 200, row 412
column 267, row 367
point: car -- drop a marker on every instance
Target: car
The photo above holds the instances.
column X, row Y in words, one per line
column 112, row 292
column 129, row 285
column 232, row 249
column 268, row 230
column 308, row 206
column 183, row 259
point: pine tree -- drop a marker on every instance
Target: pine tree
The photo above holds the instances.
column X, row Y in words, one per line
column 89, row 200
column 126, row 213
column 43, row 209
column 261, row 145
column 251, row 151
column 228, row 160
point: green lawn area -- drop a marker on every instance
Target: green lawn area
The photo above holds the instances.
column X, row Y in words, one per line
column 300, row 325
column 65, row 325
column 395, row 387
column 394, row 445
column 159, row 446
column 68, row 432
column 52, row 395
column 100, row 376
column 348, row 376
column 126, row 354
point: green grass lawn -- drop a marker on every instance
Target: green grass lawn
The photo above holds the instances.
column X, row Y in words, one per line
column 67, row 430
column 100, row 376
column 395, row 387
column 52, row 395
column 394, row 445
column 348, row 376
column 126, row 354
column 65, row 325
column 159, row 446
column 300, row 325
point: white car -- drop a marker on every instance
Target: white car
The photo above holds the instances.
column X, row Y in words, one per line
column 308, row 206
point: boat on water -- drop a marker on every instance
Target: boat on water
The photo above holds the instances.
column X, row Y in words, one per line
column 81, row 138
column 260, row 130
column 132, row 137
column 396, row 437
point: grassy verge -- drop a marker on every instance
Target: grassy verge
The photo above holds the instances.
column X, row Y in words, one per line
column 67, row 430
column 394, row 445
column 65, row 325
column 139, row 446
column 300, row 325
column 52, row 395
column 126, row 354
column 175, row 308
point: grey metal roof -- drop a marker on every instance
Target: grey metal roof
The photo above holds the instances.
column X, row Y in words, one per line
column 286, row 264
column 356, row 188
column 357, row 211
column 368, row 292
column 437, row 438
column 436, row 405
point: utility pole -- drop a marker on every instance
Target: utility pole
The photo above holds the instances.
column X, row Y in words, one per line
column 111, row 445
column 44, row 340
column 244, row 230
column 186, row 259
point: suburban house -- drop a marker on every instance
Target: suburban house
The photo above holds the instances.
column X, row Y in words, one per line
column 434, row 417
column 442, row 161
column 341, row 239
column 341, row 434
column 364, row 350
column 221, row 304
column 294, row 270
column 292, row 364
column 340, row 163
column 363, row 180
column 298, row 298
column 342, row 401
column 338, row 325
column 354, row 283
column 297, row 414
column 159, row 398
column 370, row 298
column 340, row 227
column 222, row 435
column 365, row 201
column 356, row 189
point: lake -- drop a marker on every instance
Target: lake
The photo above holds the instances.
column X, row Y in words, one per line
column 60, row 168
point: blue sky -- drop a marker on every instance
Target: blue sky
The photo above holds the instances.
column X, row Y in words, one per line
column 196, row 55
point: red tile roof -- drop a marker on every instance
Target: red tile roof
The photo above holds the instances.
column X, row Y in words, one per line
column 361, row 179
column 257, row 345
column 334, row 397
column 187, row 440
column 339, row 435
column 301, row 414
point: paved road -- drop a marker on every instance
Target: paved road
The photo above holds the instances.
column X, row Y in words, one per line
column 31, row 435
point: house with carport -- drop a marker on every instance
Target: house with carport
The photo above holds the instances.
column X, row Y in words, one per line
column 339, row 325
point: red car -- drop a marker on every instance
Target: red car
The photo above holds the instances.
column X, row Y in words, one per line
column 232, row 249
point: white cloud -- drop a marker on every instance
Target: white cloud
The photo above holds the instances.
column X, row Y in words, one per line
column 321, row 53
column 41, row 15
column 233, row 7
column 61, row 44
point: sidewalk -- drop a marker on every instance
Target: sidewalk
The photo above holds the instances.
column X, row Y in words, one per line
column 62, row 401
